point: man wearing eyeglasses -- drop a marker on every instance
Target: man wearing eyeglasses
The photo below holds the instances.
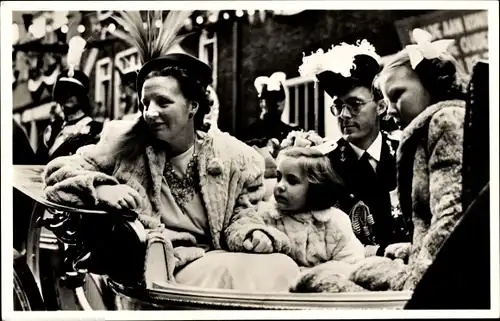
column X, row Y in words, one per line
column 364, row 156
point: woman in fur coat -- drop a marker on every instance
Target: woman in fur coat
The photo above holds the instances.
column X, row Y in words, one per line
column 190, row 186
column 425, row 90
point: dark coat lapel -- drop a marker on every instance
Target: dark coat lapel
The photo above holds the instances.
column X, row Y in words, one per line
column 344, row 161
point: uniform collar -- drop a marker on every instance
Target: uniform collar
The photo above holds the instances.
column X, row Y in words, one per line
column 74, row 118
column 374, row 150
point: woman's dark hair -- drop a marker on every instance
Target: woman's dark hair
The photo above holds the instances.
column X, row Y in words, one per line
column 139, row 136
column 326, row 187
column 442, row 77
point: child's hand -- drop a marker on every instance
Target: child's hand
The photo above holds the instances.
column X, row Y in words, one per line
column 259, row 242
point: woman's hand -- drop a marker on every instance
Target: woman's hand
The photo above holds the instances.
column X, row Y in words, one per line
column 119, row 197
column 259, row 242
column 398, row 251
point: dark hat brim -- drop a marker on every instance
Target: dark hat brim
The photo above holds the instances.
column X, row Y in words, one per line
column 193, row 66
column 362, row 75
column 67, row 88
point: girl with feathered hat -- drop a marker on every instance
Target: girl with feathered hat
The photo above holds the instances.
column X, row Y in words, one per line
column 187, row 183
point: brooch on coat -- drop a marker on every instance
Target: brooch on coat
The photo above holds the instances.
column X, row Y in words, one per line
column 215, row 166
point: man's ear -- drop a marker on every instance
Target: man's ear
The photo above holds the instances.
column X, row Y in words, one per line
column 381, row 107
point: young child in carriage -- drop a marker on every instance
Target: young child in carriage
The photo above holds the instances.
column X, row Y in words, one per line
column 305, row 208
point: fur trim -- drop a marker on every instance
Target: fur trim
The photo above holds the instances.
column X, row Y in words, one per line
column 378, row 273
column 326, row 215
column 423, row 119
column 281, row 242
column 324, row 282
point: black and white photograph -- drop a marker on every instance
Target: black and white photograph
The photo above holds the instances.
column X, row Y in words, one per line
column 324, row 159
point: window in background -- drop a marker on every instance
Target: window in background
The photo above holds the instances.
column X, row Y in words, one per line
column 125, row 99
column 207, row 52
column 103, row 86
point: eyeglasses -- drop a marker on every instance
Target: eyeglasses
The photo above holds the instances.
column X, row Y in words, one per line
column 354, row 106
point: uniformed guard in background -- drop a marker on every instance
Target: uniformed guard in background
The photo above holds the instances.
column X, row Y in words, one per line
column 78, row 128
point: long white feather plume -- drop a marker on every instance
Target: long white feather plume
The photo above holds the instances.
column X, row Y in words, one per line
column 76, row 46
column 259, row 83
column 150, row 41
column 276, row 81
column 273, row 83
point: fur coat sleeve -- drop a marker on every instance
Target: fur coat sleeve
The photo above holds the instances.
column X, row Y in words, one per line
column 249, row 218
column 445, row 150
column 341, row 242
column 72, row 179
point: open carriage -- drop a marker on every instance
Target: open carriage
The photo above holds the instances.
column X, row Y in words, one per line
column 87, row 259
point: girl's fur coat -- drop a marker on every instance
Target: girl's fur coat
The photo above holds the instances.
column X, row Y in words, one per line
column 322, row 243
column 316, row 237
column 429, row 162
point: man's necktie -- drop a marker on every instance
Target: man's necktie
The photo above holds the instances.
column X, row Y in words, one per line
column 365, row 164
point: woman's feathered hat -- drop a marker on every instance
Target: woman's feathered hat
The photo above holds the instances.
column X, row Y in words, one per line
column 153, row 44
column 271, row 87
column 71, row 80
column 343, row 67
